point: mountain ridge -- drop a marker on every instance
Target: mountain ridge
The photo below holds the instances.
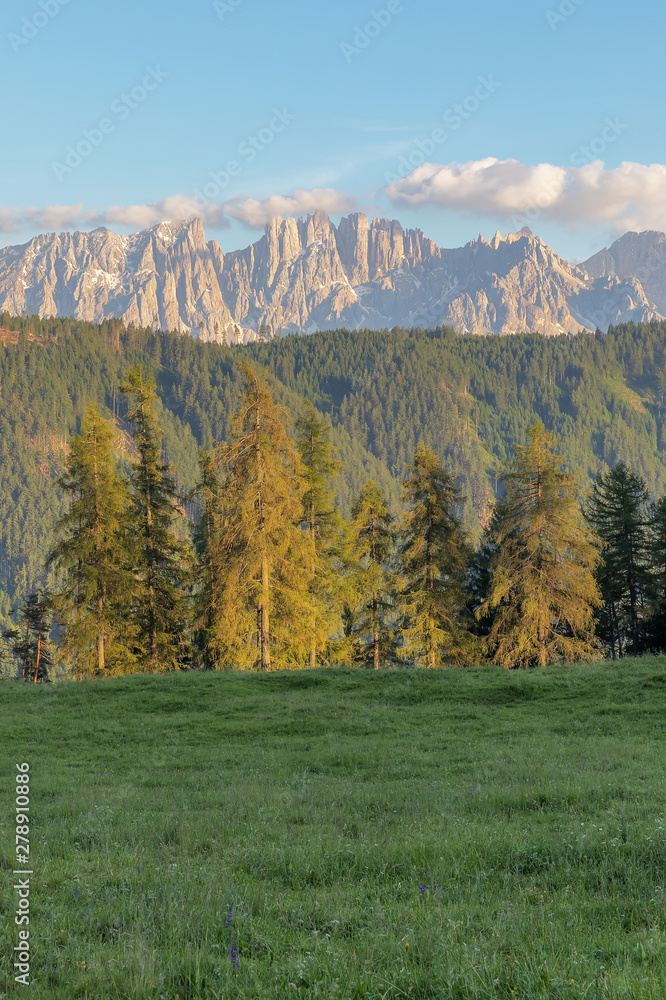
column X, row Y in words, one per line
column 307, row 274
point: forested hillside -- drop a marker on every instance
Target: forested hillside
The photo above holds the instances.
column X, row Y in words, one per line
column 470, row 399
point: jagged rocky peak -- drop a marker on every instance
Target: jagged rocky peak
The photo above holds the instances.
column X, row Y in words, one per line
column 627, row 254
column 366, row 249
column 318, row 228
column 498, row 239
column 353, row 242
column 386, row 247
column 635, row 255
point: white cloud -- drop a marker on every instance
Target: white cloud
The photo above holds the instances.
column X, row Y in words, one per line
column 249, row 211
column 488, row 185
column 174, row 208
column 8, row 220
column 57, row 216
column 257, row 213
column 13, row 220
column 630, row 196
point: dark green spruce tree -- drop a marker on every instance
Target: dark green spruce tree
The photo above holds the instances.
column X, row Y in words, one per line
column 162, row 561
column 370, row 622
column 36, row 616
column 30, row 643
column 479, row 577
column 93, row 555
column 617, row 510
column 322, row 522
column 15, row 656
column 10, row 652
column 434, row 554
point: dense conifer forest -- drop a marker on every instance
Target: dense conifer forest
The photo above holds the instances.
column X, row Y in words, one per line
column 386, row 408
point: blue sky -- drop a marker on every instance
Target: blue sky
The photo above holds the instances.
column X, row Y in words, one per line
column 572, row 85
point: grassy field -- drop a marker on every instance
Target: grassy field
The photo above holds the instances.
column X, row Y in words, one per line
column 467, row 834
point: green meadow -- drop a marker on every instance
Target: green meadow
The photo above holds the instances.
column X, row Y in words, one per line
column 464, row 834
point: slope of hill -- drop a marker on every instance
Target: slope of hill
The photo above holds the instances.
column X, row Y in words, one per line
column 469, row 398
column 307, row 274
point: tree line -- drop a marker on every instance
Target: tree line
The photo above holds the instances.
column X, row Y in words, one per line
column 469, row 399
column 266, row 573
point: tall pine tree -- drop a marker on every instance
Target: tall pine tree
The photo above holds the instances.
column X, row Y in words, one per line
column 93, row 555
column 261, row 558
column 161, row 559
column 542, row 588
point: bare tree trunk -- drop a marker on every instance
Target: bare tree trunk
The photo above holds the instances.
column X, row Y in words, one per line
column 152, row 618
column 313, row 644
column 265, row 635
column 152, row 625
column 39, row 648
column 431, row 645
column 431, row 587
column 100, row 636
column 25, row 658
column 616, row 633
column 375, row 632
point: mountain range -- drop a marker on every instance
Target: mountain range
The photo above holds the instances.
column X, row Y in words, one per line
column 308, row 274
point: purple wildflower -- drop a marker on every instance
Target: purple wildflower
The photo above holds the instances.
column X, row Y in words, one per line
column 233, row 957
column 76, row 894
column 230, row 916
column 422, row 890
